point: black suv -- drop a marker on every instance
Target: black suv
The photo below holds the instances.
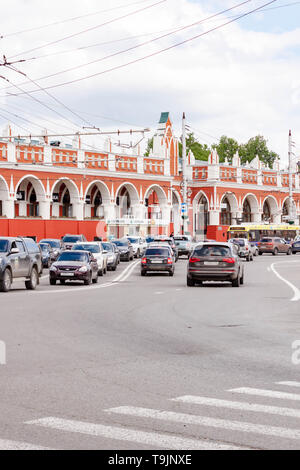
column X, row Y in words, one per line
column 19, row 258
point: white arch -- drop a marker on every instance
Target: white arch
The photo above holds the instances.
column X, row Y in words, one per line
column 253, row 201
column 234, row 206
column 4, row 190
column 174, row 191
column 70, row 185
column 272, row 203
column 105, row 193
column 36, row 184
column 162, row 197
column 133, row 193
column 197, row 199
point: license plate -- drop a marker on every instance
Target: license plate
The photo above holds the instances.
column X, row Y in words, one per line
column 67, row 274
column 157, row 261
column 211, row 263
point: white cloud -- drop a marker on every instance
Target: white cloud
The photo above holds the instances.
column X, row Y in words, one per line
column 233, row 81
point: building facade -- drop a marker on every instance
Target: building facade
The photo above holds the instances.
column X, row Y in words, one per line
column 48, row 190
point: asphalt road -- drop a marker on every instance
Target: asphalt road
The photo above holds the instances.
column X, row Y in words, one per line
column 148, row 363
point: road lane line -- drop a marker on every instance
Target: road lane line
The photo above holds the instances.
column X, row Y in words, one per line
column 289, row 384
column 266, row 393
column 294, row 288
column 121, row 278
column 151, row 439
column 236, row 405
column 14, row 445
column 207, row 421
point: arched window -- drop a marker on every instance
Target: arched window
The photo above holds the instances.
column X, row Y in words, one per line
column 98, row 207
column 33, row 205
column 247, row 211
column 225, row 217
column 66, row 204
column 201, row 221
column 285, row 211
column 267, row 212
column 124, row 202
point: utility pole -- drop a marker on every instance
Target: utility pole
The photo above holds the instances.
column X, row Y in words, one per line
column 291, row 208
column 184, row 210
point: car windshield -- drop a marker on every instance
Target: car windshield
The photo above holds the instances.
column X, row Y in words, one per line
column 73, row 256
column 212, row 250
column 72, row 239
column 52, row 243
column 3, row 246
column 239, row 242
column 157, row 252
column 119, row 243
column 44, row 248
column 107, row 246
column 133, row 240
column 90, row 248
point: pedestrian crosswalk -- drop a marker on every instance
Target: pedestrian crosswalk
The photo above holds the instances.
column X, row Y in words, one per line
column 192, row 422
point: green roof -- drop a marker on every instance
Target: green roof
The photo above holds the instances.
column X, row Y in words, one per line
column 164, row 118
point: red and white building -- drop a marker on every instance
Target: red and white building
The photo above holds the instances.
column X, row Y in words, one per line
column 47, row 191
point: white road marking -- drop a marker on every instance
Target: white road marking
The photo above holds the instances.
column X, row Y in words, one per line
column 151, row 439
column 121, row 278
column 266, row 393
column 295, row 289
column 14, row 445
column 159, row 293
column 289, row 384
column 209, row 422
column 236, row 405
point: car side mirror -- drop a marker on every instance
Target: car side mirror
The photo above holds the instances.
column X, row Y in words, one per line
column 105, row 251
column 14, row 251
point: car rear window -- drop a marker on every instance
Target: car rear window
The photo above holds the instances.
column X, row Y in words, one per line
column 239, row 242
column 52, row 243
column 73, row 256
column 72, row 239
column 107, row 246
column 157, row 252
column 32, row 247
column 119, row 243
column 212, row 250
column 266, row 240
column 90, row 248
column 3, row 246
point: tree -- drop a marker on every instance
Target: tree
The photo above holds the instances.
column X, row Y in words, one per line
column 149, row 147
column 257, row 146
column 226, row 148
column 200, row 151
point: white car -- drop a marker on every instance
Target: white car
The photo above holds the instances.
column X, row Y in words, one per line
column 138, row 246
column 97, row 250
column 245, row 249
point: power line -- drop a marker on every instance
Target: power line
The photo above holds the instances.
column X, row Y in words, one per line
column 118, row 132
column 67, row 20
column 153, row 54
column 90, row 29
column 182, row 28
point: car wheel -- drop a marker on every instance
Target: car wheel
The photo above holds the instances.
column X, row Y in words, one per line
column 275, row 252
column 294, row 252
column 33, row 281
column 260, row 253
column 248, row 258
column 143, row 273
column 95, row 281
column 88, row 281
column 242, row 279
column 171, row 273
column 5, row 284
column 236, row 282
column 190, row 282
column 52, row 282
column 62, row 281
column 289, row 252
column 100, row 272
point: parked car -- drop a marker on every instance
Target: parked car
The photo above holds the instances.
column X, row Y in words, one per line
column 274, row 245
column 46, row 252
column 296, row 247
column 245, row 249
column 137, row 246
column 74, row 266
column 183, row 244
column 113, row 255
column 97, row 250
column 19, row 258
column 170, row 241
column 158, row 259
column 125, row 248
column 56, row 245
column 215, row 262
column 70, row 240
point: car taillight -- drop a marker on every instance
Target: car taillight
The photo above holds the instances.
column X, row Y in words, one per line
column 229, row 260
column 269, row 244
column 144, row 260
column 247, row 248
column 170, row 261
column 194, row 260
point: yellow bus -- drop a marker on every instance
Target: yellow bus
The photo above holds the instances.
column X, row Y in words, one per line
column 255, row 232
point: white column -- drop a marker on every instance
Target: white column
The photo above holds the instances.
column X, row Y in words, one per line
column 8, row 207
column 214, row 218
column 11, row 152
column 45, row 209
column 55, row 209
column 257, row 217
column 78, row 210
column 138, row 211
column 22, row 208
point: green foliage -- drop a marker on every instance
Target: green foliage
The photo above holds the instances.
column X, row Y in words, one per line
column 226, row 148
column 149, row 147
column 200, row 151
column 257, row 146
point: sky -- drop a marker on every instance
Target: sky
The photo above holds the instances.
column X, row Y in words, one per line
column 240, row 80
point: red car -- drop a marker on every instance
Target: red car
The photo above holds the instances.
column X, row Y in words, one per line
column 274, row 245
column 74, row 266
